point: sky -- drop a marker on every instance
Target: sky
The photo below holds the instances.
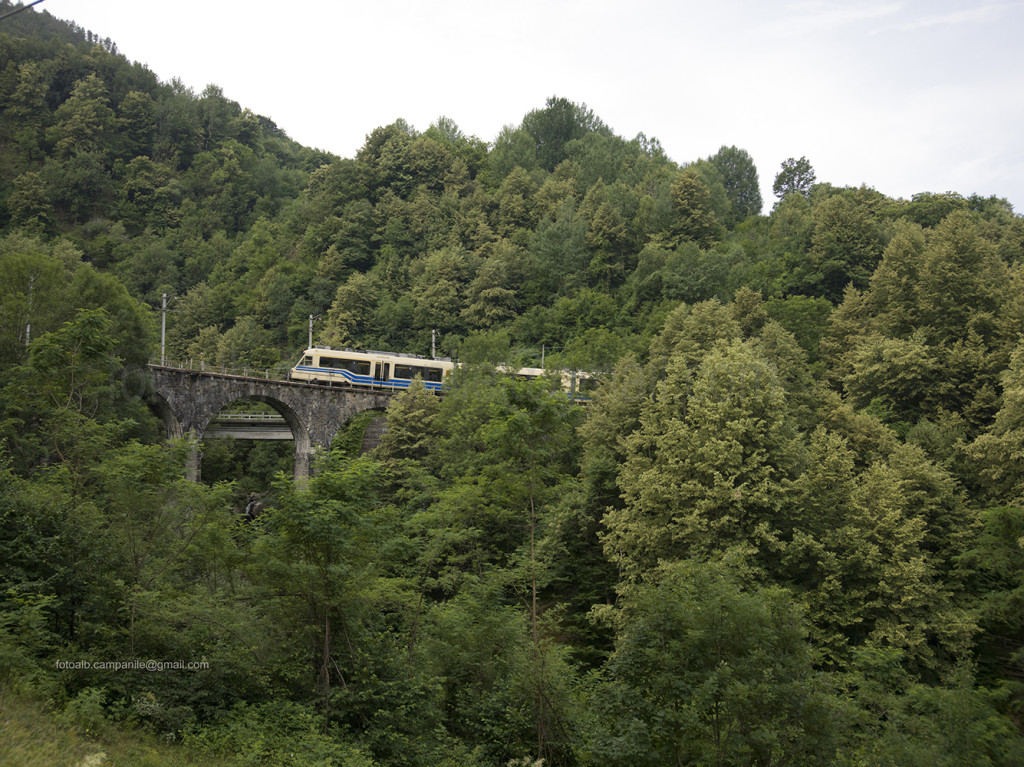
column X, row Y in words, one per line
column 903, row 96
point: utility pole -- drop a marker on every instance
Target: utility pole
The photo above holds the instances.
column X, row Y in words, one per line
column 311, row 318
column 28, row 316
column 163, row 327
column 164, row 301
column 433, row 344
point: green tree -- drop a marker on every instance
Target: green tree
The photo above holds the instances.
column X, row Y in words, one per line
column 515, row 204
column 478, row 650
column 558, row 123
column 247, row 345
column 29, row 204
column 316, row 560
column 739, row 177
column 599, row 156
column 561, row 189
column 998, row 562
column 580, row 572
column 350, row 316
column 690, row 332
column 47, row 541
column 491, row 297
column 903, row 722
column 963, row 280
column 694, row 275
column 709, row 671
column 84, row 122
column 413, row 426
column 695, row 220
column 561, row 254
column 223, row 177
column 156, row 517
column 904, row 375
column 796, row 176
column 896, row 282
column 927, row 209
column 34, row 291
column 148, row 194
column 136, row 123
column 438, row 289
column 386, row 154
column 924, row 339
column 846, row 245
column 806, row 318
column 25, row 111
column 513, row 148
column 711, row 466
column 998, row 454
column 872, row 551
column 79, row 186
column 178, row 131
column 606, row 236
column 531, row 438
column 63, row 404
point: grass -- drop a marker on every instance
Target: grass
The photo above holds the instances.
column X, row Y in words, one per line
column 31, row 736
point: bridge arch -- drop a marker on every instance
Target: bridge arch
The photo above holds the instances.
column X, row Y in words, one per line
column 300, row 433
column 188, row 400
column 163, row 410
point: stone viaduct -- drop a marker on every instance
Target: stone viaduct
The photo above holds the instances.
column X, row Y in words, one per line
column 189, row 400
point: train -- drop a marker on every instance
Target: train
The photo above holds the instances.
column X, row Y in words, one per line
column 390, row 370
column 369, row 369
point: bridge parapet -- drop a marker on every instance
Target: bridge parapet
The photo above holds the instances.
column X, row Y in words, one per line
column 275, row 373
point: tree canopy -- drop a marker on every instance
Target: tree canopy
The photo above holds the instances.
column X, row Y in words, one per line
column 778, row 522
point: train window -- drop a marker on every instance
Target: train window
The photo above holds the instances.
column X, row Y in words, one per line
column 307, row 360
column 411, row 371
column 359, row 367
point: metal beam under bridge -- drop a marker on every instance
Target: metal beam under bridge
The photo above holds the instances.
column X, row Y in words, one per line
column 249, row 426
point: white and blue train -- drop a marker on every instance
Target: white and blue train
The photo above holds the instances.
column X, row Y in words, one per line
column 382, row 370
column 389, row 370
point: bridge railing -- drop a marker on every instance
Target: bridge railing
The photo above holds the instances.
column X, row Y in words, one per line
column 260, row 417
column 278, row 372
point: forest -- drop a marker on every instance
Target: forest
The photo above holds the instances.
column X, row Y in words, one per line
column 785, row 528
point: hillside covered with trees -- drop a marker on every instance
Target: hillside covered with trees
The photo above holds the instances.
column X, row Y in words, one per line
column 785, row 529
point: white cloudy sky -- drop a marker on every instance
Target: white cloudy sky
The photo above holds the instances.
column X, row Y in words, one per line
column 902, row 95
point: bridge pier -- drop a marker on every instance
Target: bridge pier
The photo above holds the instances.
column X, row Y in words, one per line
column 303, row 463
column 189, row 400
column 193, row 464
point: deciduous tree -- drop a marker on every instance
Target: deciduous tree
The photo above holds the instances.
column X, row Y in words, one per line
column 707, row 670
column 796, row 176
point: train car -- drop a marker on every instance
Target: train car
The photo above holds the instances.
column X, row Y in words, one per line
column 527, row 374
column 576, row 383
column 369, row 369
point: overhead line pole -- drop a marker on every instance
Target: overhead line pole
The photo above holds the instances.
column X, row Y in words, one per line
column 163, row 326
column 28, row 316
column 311, row 318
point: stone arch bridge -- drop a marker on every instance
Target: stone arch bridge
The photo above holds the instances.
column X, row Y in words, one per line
column 189, row 400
